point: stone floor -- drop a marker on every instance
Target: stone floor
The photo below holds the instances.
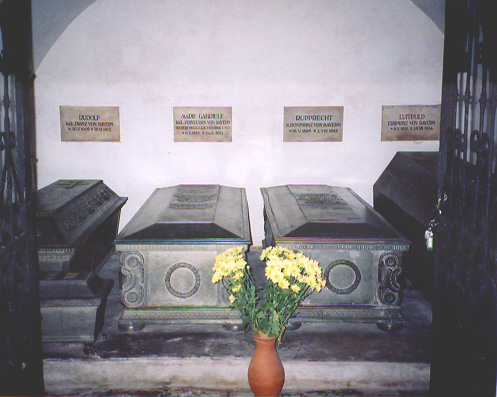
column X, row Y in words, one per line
column 208, row 360
column 216, row 393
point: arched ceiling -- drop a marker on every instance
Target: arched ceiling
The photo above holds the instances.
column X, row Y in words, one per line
column 52, row 17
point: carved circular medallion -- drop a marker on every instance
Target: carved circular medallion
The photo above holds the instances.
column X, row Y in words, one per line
column 390, row 260
column 133, row 259
column 133, row 297
column 342, row 277
column 389, row 297
column 182, row 280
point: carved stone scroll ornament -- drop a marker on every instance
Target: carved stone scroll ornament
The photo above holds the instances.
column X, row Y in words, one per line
column 389, row 289
column 133, row 288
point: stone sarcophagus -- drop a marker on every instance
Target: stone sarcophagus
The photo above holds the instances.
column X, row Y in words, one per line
column 167, row 252
column 406, row 195
column 77, row 222
column 360, row 253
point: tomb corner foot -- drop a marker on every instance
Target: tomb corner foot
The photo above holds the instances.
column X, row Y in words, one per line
column 389, row 326
column 130, row 327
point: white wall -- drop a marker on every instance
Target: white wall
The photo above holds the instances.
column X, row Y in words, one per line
column 256, row 56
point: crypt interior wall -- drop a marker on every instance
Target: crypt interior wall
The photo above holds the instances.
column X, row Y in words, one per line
column 257, row 57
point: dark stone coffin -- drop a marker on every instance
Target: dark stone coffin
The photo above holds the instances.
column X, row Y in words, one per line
column 406, row 195
column 168, row 250
column 360, row 253
column 77, row 223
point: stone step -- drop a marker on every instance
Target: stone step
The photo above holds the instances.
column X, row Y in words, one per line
column 79, row 376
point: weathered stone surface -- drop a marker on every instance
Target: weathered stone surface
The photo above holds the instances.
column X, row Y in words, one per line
column 168, row 250
column 360, row 253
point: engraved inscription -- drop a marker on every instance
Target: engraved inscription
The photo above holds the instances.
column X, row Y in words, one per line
column 313, row 124
column 349, row 247
column 320, row 199
column 90, row 123
column 410, row 123
column 185, row 206
column 193, row 201
column 84, row 210
column 202, row 124
column 195, row 198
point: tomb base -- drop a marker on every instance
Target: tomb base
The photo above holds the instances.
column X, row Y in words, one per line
column 135, row 319
column 73, row 306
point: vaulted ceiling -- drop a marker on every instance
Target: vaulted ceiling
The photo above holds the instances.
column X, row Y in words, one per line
column 51, row 18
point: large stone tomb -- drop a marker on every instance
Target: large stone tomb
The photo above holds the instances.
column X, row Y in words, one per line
column 360, row 253
column 406, row 195
column 77, row 223
column 167, row 252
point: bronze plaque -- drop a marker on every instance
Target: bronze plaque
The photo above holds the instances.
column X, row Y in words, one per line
column 90, row 123
column 202, row 124
column 313, row 124
column 410, row 123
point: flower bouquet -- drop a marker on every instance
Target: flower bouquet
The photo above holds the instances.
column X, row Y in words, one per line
column 291, row 278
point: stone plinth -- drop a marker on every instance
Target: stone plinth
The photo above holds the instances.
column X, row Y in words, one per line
column 73, row 306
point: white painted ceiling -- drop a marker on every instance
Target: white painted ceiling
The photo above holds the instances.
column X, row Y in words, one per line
column 51, row 18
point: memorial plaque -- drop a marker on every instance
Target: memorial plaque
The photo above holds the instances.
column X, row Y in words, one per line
column 90, row 123
column 313, row 124
column 168, row 250
column 410, row 123
column 202, row 124
column 358, row 250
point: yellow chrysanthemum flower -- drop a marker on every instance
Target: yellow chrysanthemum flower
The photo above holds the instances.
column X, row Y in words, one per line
column 284, row 284
column 237, row 288
column 237, row 275
column 232, row 298
column 229, row 263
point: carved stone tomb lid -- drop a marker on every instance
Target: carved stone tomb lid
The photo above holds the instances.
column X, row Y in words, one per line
column 190, row 214
column 323, row 213
column 67, row 211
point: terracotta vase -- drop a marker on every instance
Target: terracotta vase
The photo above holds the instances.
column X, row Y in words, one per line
column 266, row 374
